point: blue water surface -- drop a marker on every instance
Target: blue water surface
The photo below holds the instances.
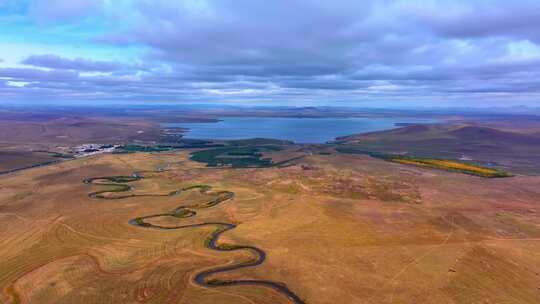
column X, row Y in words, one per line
column 299, row 130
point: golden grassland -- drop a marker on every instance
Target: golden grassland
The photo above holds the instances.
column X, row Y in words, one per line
column 336, row 229
column 452, row 165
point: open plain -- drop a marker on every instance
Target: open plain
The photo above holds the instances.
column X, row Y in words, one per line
column 334, row 228
column 269, row 152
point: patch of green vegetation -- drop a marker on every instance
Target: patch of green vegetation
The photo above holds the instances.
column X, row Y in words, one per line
column 183, row 213
column 259, row 142
column 122, row 152
column 202, row 187
column 175, row 192
column 243, row 153
column 216, row 282
column 113, row 184
column 141, row 148
column 247, row 148
column 442, row 164
column 184, row 144
column 222, row 196
column 208, row 240
column 140, row 222
column 453, row 166
column 123, row 179
column 112, row 188
column 226, row 246
column 235, row 157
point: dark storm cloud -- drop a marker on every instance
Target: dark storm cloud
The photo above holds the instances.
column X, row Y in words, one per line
column 344, row 50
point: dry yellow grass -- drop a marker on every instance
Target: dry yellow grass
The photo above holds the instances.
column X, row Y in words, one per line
column 453, row 166
column 349, row 230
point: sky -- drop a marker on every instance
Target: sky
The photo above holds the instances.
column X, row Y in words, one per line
column 385, row 53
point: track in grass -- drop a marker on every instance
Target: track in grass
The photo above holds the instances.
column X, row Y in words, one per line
column 121, row 184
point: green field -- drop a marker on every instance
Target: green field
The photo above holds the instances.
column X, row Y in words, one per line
column 236, row 157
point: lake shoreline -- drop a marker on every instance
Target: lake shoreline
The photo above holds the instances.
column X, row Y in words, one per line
column 304, row 130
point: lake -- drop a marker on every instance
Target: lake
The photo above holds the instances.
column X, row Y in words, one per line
column 299, row 130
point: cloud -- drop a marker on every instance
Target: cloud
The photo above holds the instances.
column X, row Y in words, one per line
column 281, row 38
column 303, row 38
column 294, row 50
column 79, row 64
column 36, row 75
column 477, row 19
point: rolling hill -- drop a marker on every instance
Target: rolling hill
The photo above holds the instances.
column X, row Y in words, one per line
column 514, row 151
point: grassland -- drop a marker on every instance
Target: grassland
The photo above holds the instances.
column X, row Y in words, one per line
column 239, row 156
column 453, row 166
column 441, row 164
column 184, row 144
column 202, row 278
column 514, row 150
column 12, row 161
column 337, row 228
